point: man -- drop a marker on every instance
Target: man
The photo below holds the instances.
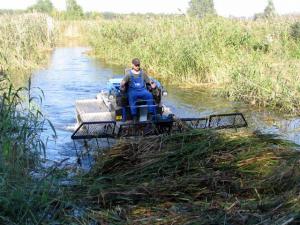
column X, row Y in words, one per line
column 136, row 79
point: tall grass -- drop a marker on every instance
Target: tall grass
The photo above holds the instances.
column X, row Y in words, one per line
column 25, row 41
column 254, row 61
column 23, row 198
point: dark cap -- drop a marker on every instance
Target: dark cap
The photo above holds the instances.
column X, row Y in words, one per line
column 136, row 61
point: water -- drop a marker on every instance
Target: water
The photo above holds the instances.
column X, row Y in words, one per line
column 73, row 75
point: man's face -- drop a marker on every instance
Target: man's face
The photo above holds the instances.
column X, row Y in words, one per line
column 136, row 67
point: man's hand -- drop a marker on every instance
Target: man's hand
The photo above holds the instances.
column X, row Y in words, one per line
column 153, row 85
column 122, row 86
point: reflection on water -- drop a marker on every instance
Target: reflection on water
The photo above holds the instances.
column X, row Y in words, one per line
column 73, row 75
column 196, row 103
column 202, row 102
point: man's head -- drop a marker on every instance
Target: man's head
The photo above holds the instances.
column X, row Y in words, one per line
column 136, row 64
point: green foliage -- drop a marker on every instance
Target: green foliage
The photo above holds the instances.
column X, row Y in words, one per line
column 211, row 50
column 73, row 10
column 44, row 6
column 201, row 8
column 23, row 200
column 295, row 31
column 270, row 11
column 23, row 40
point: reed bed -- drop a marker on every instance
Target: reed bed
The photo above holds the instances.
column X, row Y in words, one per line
column 194, row 178
column 254, row 61
column 24, row 199
column 25, row 42
column 29, row 194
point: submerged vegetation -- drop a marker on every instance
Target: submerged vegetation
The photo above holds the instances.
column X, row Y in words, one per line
column 255, row 61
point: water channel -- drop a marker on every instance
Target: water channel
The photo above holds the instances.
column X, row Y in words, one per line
column 72, row 74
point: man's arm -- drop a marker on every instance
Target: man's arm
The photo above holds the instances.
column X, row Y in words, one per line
column 124, row 82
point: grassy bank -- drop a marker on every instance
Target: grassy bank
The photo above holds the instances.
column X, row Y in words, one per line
column 194, row 178
column 23, row 198
column 254, row 61
column 25, row 42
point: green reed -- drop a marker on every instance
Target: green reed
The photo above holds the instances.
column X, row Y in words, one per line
column 23, row 198
column 254, row 61
column 25, row 41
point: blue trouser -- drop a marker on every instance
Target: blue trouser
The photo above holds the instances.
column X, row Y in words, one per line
column 134, row 95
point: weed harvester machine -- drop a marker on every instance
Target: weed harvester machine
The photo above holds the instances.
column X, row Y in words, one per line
column 108, row 116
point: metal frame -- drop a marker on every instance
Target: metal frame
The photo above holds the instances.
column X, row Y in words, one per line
column 193, row 123
column 144, row 129
column 159, row 127
column 75, row 135
column 209, row 122
column 211, row 117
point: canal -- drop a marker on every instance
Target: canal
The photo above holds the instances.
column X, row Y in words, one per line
column 72, row 74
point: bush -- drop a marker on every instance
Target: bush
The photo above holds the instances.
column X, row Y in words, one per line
column 295, row 31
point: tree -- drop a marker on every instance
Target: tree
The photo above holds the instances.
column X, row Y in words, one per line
column 44, row 6
column 74, row 11
column 201, row 8
column 270, row 11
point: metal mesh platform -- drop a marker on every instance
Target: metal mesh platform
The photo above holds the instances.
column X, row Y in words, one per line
column 189, row 123
column 226, row 121
column 109, row 129
column 92, row 110
column 89, row 130
column 220, row 121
